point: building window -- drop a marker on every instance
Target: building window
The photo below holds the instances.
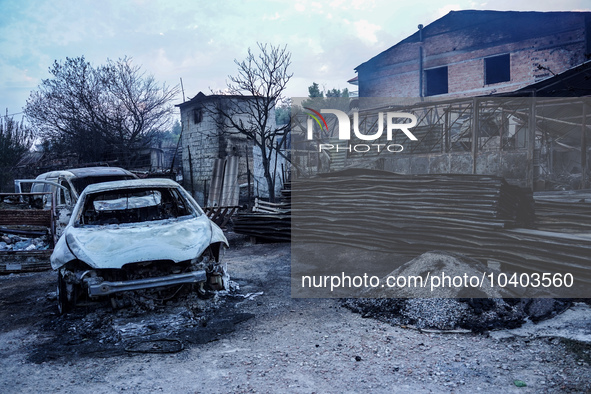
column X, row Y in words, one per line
column 197, row 115
column 497, row 69
column 436, row 81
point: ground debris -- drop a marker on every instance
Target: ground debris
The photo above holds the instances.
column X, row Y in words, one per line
column 140, row 325
column 274, row 352
column 12, row 242
column 452, row 309
column 163, row 345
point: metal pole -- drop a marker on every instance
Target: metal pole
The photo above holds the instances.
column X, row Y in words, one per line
column 475, row 126
column 421, row 90
column 531, row 143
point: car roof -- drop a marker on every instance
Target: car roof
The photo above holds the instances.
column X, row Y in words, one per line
column 94, row 171
column 86, row 172
column 130, row 184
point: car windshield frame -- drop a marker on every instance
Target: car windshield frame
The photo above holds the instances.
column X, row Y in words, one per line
column 137, row 205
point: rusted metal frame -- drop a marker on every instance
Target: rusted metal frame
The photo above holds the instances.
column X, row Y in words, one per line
column 442, row 136
column 547, row 141
column 558, row 132
column 495, row 111
column 427, row 113
column 435, row 120
column 415, row 106
column 297, row 124
column 463, row 110
column 515, row 111
column 504, row 126
column 506, row 114
column 460, row 111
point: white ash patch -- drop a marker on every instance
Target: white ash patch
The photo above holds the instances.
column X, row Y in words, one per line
column 480, row 309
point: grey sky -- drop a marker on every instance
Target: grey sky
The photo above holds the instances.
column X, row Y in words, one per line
column 199, row 40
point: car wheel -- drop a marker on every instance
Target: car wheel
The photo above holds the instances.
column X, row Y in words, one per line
column 64, row 305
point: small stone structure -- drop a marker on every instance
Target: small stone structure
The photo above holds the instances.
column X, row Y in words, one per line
column 205, row 139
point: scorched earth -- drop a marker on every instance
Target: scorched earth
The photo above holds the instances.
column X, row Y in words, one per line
column 256, row 338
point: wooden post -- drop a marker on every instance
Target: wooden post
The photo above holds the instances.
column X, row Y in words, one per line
column 191, row 172
column 584, row 148
column 475, row 126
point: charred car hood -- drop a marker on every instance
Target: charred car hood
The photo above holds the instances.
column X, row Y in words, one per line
column 113, row 246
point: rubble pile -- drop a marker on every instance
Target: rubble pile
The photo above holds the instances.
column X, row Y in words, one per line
column 474, row 314
column 11, row 242
column 488, row 309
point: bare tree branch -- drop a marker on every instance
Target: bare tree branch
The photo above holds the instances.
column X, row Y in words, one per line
column 255, row 91
column 110, row 111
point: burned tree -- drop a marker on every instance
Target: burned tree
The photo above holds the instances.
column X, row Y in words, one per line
column 15, row 141
column 261, row 81
column 109, row 112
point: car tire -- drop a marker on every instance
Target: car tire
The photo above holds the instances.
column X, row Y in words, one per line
column 64, row 305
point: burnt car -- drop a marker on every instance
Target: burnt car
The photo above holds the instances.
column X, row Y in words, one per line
column 64, row 188
column 74, row 180
column 134, row 235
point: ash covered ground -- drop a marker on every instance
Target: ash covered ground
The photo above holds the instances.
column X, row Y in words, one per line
column 256, row 338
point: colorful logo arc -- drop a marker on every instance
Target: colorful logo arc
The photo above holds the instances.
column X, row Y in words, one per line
column 316, row 119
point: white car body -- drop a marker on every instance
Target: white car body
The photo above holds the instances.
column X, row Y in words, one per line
column 122, row 232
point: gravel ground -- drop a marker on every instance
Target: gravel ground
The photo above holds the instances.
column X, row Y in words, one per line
column 252, row 342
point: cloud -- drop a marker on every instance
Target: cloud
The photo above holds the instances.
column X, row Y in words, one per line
column 353, row 4
column 300, row 6
column 367, row 31
column 363, row 4
column 201, row 39
column 273, row 17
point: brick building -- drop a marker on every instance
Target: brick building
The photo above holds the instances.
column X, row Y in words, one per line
column 476, row 53
column 494, row 93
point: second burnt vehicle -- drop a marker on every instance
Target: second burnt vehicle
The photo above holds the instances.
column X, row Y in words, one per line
column 67, row 185
column 135, row 235
column 61, row 189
